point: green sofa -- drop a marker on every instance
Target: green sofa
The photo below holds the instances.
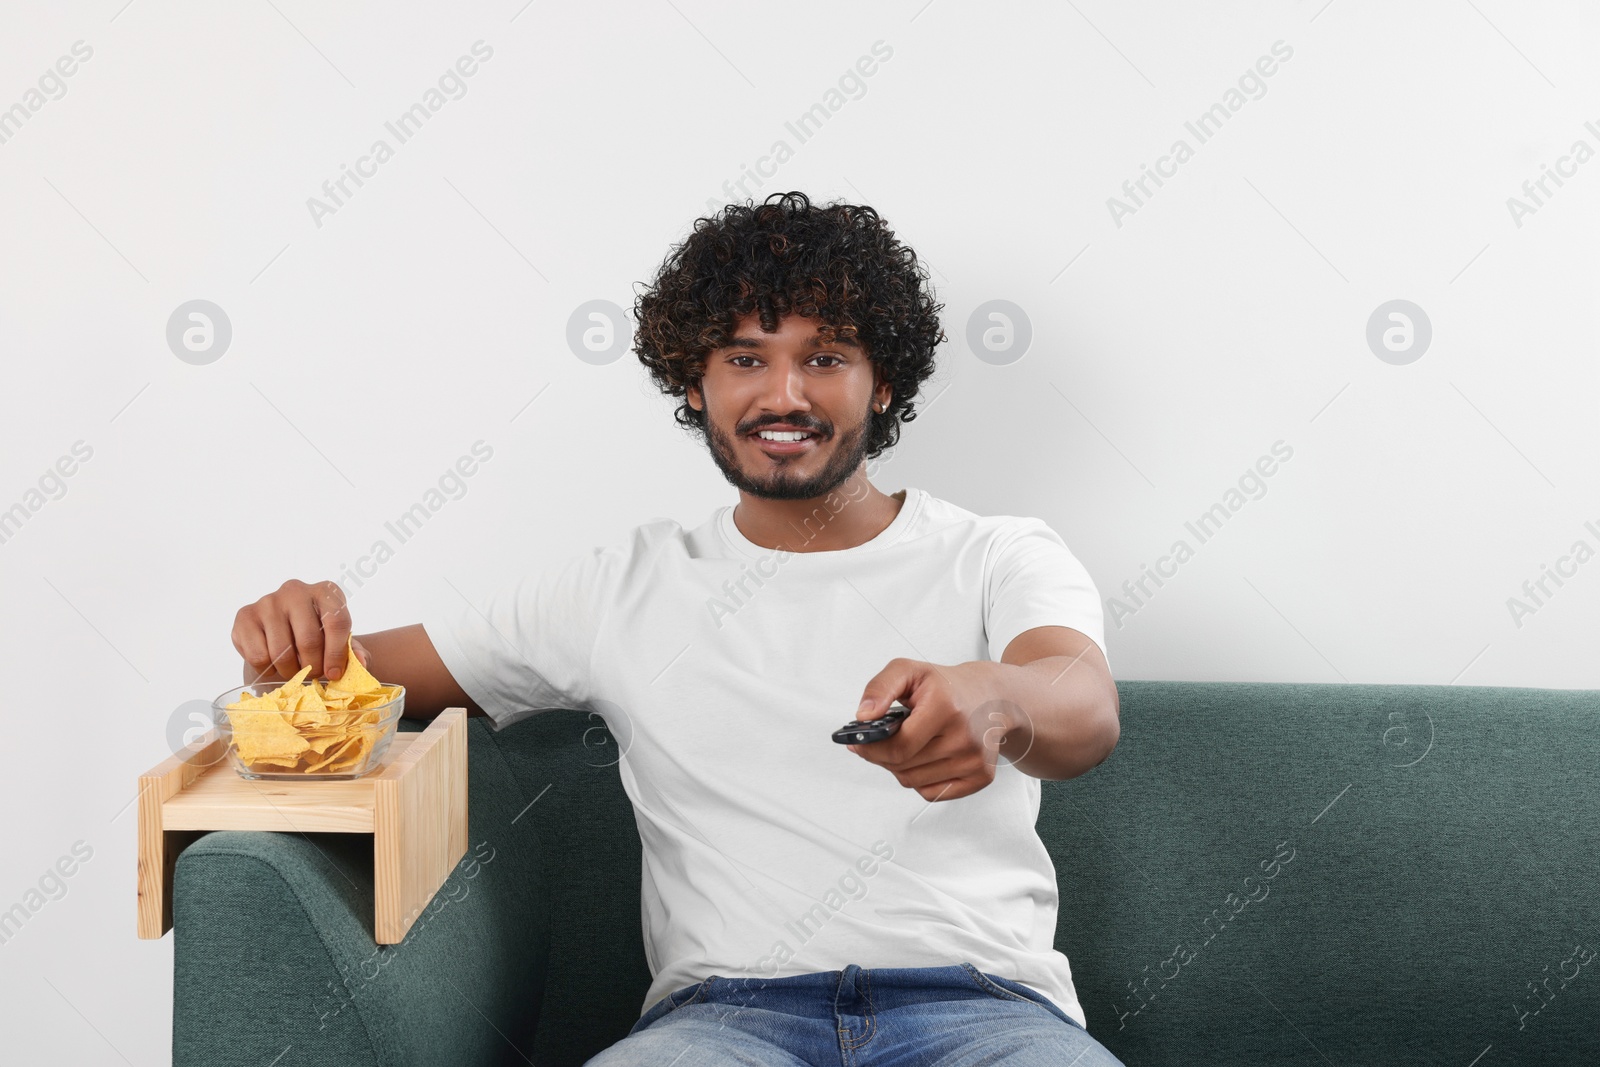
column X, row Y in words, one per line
column 1283, row 874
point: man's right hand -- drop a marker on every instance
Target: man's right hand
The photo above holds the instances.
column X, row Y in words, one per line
column 297, row 625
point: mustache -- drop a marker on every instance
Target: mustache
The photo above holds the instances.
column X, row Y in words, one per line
column 775, row 422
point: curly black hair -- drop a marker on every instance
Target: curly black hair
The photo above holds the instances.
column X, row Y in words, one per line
column 838, row 263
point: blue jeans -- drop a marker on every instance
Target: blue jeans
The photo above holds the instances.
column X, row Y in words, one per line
column 952, row 1016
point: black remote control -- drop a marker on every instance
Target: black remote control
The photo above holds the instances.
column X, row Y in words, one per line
column 861, row 732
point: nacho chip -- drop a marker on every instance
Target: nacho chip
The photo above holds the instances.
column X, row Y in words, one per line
column 379, row 696
column 286, row 764
column 320, row 740
column 310, row 710
column 290, row 691
column 355, row 678
column 357, row 754
column 333, row 752
column 258, row 734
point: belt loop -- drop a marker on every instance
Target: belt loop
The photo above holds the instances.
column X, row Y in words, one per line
column 847, row 989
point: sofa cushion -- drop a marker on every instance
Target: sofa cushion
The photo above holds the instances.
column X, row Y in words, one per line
column 1260, row 873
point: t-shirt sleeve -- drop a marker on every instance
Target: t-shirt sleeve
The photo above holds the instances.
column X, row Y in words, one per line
column 531, row 647
column 1035, row 580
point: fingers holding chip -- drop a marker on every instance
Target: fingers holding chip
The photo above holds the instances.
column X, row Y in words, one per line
column 308, row 727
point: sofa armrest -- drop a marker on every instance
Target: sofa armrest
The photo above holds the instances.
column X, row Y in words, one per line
column 273, row 945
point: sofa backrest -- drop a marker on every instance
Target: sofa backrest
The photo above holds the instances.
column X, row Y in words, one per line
column 566, row 762
column 1260, row 873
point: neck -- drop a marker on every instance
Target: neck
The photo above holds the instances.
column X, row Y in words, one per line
column 859, row 512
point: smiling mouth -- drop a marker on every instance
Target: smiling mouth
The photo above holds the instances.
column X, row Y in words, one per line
column 784, row 448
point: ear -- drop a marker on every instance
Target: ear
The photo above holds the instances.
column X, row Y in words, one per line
column 882, row 390
column 696, row 398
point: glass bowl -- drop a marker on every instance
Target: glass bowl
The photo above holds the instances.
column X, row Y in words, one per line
column 328, row 746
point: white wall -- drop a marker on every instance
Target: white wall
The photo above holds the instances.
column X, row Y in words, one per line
column 1169, row 352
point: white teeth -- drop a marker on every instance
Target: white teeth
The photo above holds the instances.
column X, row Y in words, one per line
column 782, row 435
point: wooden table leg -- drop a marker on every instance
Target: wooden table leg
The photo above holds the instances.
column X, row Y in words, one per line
column 159, row 847
column 419, row 824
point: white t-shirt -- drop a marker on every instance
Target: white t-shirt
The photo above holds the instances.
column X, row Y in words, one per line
column 723, row 667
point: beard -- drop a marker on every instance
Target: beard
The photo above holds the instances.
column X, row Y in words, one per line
column 779, row 477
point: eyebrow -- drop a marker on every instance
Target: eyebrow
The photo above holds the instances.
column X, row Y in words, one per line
column 839, row 341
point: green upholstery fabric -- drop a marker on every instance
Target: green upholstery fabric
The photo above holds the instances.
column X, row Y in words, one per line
column 1412, row 914
column 599, row 976
column 273, row 945
column 1260, row 874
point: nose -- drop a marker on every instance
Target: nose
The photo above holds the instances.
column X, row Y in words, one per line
column 783, row 391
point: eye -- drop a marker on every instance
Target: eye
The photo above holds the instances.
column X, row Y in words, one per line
column 838, row 361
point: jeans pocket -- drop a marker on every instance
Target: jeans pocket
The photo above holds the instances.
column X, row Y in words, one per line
column 1006, row 989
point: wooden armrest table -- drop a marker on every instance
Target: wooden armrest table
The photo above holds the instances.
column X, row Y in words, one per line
column 414, row 806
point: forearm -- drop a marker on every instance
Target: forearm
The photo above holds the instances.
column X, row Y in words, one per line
column 1060, row 721
column 406, row 656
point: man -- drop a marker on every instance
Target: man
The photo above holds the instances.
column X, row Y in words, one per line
column 802, row 903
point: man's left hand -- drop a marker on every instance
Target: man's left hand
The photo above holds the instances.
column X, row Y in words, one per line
column 948, row 746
